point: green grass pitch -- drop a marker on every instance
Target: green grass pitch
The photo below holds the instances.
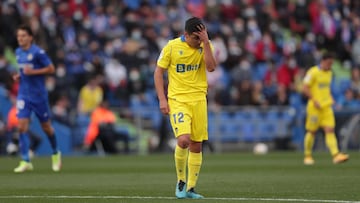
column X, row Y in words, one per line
column 228, row 177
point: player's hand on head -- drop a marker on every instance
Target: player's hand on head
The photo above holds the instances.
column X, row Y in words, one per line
column 202, row 34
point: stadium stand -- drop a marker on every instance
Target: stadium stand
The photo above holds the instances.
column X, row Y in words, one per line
column 119, row 41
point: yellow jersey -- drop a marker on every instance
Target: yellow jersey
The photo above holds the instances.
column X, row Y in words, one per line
column 319, row 82
column 90, row 98
column 186, row 70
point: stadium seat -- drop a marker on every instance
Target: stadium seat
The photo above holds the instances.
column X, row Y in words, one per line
column 229, row 131
column 249, row 131
column 296, row 101
column 267, row 130
column 273, row 114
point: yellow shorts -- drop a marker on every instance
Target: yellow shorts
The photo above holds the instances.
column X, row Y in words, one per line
column 189, row 118
column 316, row 118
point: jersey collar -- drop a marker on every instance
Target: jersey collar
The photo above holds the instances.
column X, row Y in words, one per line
column 182, row 37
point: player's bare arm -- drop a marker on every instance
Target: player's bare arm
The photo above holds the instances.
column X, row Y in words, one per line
column 208, row 55
column 42, row 71
column 159, row 86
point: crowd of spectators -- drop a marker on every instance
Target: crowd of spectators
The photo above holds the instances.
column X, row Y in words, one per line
column 263, row 47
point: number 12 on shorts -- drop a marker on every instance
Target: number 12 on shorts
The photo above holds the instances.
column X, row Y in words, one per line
column 179, row 117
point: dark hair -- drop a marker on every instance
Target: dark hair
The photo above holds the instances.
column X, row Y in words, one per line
column 328, row 55
column 27, row 29
column 191, row 25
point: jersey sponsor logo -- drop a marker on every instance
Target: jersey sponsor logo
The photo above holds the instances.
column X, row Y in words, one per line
column 323, row 85
column 181, row 52
column 27, row 65
column 30, row 57
column 182, row 68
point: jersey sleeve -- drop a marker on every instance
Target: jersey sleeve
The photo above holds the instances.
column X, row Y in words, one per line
column 164, row 57
column 212, row 47
column 309, row 77
column 42, row 58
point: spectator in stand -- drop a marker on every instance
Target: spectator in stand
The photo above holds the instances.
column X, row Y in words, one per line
column 300, row 18
column 6, row 71
column 214, row 84
column 10, row 18
column 60, row 110
column 345, row 36
column 270, row 79
column 355, row 51
column 242, row 93
column 286, row 72
column 281, row 98
column 229, row 10
column 90, row 96
column 257, row 96
column 102, row 127
column 355, row 80
column 306, row 50
column 234, row 53
column 348, row 101
column 116, row 81
column 265, row 48
column 242, row 71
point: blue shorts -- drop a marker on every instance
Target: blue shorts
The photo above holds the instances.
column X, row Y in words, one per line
column 25, row 108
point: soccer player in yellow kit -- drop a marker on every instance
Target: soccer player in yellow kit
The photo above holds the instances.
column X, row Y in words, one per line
column 186, row 60
column 319, row 112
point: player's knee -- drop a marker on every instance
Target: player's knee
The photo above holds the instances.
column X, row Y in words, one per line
column 195, row 147
column 328, row 130
column 22, row 129
column 183, row 141
column 311, row 132
column 48, row 129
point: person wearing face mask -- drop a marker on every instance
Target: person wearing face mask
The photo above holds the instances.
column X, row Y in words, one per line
column 186, row 60
column 286, row 72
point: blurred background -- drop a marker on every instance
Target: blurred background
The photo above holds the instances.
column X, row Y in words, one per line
column 105, row 51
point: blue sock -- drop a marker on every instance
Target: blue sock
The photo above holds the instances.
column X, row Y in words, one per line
column 53, row 143
column 24, row 143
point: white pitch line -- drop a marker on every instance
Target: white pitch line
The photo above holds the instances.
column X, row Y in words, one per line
column 148, row 197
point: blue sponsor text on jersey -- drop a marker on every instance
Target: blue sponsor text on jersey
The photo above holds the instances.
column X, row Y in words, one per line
column 182, row 68
column 32, row 87
column 23, row 65
column 323, row 85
